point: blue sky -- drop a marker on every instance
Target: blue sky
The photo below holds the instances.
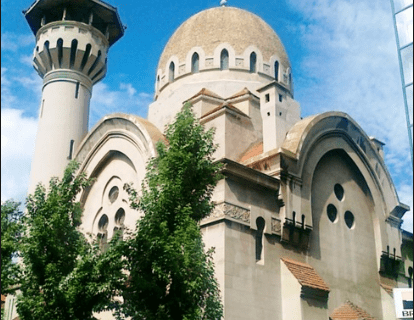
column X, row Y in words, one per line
column 343, row 57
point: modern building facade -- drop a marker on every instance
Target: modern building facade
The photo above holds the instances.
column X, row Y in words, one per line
column 307, row 223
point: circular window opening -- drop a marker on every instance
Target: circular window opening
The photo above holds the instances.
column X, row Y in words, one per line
column 332, row 212
column 349, row 219
column 120, row 216
column 113, row 194
column 103, row 223
column 339, row 192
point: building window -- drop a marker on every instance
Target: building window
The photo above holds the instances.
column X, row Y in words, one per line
column 277, row 70
column 339, row 191
column 224, row 60
column 71, row 149
column 332, row 212
column 195, row 63
column 267, row 97
column 119, row 223
column 158, row 83
column 60, row 51
column 280, row 98
column 253, row 61
column 172, row 71
column 410, row 277
column 260, row 223
column 349, row 219
column 73, row 50
column 103, row 232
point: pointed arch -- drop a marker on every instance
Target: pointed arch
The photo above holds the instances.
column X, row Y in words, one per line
column 224, row 60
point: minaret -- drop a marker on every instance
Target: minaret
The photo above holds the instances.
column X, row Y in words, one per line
column 72, row 42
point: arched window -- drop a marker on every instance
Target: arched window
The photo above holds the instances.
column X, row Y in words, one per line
column 277, row 70
column 73, row 50
column 158, row 83
column 195, row 63
column 260, row 223
column 103, row 232
column 119, row 223
column 60, row 51
column 224, row 60
column 253, row 61
column 172, row 70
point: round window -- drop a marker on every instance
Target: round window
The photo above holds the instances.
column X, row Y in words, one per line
column 339, row 192
column 120, row 216
column 349, row 219
column 103, row 223
column 113, row 194
column 332, row 212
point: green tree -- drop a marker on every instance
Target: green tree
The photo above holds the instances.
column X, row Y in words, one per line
column 64, row 276
column 11, row 229
column 170, row 275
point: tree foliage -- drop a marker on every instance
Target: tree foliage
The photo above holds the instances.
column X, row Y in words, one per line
column 64, row 276
column 11, row 229
column 170, row 274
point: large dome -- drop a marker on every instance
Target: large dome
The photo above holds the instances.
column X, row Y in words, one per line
column 237, row 27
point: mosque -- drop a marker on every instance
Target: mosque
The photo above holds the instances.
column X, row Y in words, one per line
column 307, row 223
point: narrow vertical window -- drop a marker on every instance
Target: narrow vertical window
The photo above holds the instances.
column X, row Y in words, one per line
column 224, row 60
column 253, row 61
column 71, row 149
column 171, row 72
column 277, row 70
column 95, row 63
column 46, row 46
column 77, row 90
column 86, row 56
column 195, row 63
column 410, row 277
column 41, row 108
column 303, row 221
column 60, row 51
column 158, row 83
column 260, row 223
column 73, row 50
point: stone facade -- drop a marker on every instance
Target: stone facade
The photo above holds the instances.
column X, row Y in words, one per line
column 307, row 221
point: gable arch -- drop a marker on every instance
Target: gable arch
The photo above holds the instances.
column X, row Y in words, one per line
column 312, row 138
column 114, row 153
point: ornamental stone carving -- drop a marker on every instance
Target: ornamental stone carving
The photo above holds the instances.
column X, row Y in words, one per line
column 225, row 209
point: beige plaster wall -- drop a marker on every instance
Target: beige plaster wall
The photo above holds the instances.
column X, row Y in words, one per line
column 345, row 258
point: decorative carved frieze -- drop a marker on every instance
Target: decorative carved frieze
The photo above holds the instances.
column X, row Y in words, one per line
column 223, row 210
column 276, row 226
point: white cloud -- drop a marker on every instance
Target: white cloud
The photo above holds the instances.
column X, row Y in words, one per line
column 13, row 42
column 351, row 65
column 107, row 100
column 17, row 145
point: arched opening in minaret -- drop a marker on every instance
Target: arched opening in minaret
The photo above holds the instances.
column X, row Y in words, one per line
column 98, row 58
column 277, row 70
column 86, row 56
column 195, row 63
column 73, row 49
column 158, row 83
column 224, row 60
column 60, row 51
column 171, row 72
column 253, row 62
column 46, row 46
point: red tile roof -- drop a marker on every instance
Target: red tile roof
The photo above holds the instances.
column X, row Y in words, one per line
column 253, row 151
column 349, row 311
column 223, row 106
column 306, row 274
column 242, row 93
column 388, row 289
column 206, row 92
